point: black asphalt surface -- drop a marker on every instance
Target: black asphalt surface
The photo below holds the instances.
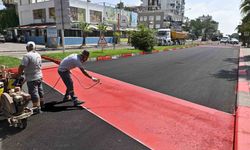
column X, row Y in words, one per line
column 63, row 127
column 202, row 75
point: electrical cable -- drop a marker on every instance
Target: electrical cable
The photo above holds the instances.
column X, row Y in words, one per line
column 98, row 82
column 78, row 80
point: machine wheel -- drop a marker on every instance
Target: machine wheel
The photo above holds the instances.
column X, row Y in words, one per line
column 7, row 104
column 23, row 123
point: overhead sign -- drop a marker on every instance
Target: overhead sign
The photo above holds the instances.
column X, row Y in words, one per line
column 102, row 42
column 62, row 11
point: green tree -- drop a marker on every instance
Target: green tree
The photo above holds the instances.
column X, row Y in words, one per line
column 8, row 19
column 102, row 28
column 245, row 26
column 85, row 30
column 245, row 10
column 144, row 39
column 209, row 28
column 196, row 28
column 205, row 28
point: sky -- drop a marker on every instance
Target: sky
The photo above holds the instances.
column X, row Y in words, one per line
column 226, row 12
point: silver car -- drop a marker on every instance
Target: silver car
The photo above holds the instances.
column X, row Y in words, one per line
column 2, row 38
column 234, row 41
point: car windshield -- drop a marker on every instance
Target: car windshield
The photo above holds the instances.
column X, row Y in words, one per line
column 161, row 33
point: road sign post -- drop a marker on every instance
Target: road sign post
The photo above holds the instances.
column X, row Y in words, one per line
column 102, row 42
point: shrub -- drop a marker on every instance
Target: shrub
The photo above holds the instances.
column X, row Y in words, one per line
column 144, row 39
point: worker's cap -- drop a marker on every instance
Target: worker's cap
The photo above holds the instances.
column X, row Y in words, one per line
column 31, row 44
column 85, row 53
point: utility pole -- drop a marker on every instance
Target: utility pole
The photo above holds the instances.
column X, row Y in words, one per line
column 62, row 26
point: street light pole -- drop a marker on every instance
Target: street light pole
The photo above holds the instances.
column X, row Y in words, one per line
column 62, row 26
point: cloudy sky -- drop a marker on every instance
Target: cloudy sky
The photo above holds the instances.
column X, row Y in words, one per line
column 226, row 12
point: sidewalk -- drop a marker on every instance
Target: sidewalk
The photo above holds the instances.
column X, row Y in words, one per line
column 242, row 127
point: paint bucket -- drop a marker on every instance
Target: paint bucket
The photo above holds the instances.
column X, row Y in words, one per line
column 11, row 84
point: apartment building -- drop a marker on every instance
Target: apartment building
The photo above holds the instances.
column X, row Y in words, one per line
column 171, row 13
column 37, row 15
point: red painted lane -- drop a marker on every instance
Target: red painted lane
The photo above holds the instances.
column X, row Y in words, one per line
column 242, row 128
column 157, row 120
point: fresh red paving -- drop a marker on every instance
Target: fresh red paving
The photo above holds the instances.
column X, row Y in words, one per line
column 157, row 120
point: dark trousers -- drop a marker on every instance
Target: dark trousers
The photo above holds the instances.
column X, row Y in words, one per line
column 67, row 80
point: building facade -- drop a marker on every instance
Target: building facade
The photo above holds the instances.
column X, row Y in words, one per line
column 68, row 14
column 172, row 10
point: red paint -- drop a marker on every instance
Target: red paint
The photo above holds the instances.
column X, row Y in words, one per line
column 12, row 70
column 241, row 64
column 104, row 58
column 155, row 51
column 144, row 53
column 157, row 120
column 242, row 72
column 57, row 61
column 127, row 55
column 243, row 86
column 242, row 131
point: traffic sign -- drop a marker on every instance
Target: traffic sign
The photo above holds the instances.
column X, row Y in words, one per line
column 102, row 41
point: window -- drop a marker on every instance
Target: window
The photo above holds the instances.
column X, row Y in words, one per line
column 157, row 26
column 151, row 18
column 39, row 14
column 38, row 1
column 145, row 18
column 141, row 18
column 78, row 14
column 52, row 13
column 95, row 16
column 158, row 18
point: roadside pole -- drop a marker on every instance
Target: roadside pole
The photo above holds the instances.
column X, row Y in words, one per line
column 62, row 27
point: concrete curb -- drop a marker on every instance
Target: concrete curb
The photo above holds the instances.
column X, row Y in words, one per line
column 103, row 58
column 242, row 124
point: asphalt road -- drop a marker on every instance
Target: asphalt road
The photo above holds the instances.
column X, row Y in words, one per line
column 202, row 75
column 63, row 127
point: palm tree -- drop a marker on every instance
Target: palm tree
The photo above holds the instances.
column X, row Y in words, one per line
column 245, row 9
column 102, row 28
column 244, row 27
column 85, row 30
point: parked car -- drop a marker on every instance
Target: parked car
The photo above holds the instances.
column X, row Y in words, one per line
column 224, row 40
column 2, row 38
column 234, row 41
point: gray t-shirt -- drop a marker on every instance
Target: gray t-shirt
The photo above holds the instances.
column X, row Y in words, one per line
column 70, row 62
column 33, row 64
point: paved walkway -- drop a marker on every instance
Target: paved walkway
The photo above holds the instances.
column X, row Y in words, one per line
column 242, row 134
column 19, row 49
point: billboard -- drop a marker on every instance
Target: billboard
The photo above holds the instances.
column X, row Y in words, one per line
column 134, row 17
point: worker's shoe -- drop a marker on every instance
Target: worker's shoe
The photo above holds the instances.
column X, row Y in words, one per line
column 66, row 98
column 77, row 102
column 37, row 110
